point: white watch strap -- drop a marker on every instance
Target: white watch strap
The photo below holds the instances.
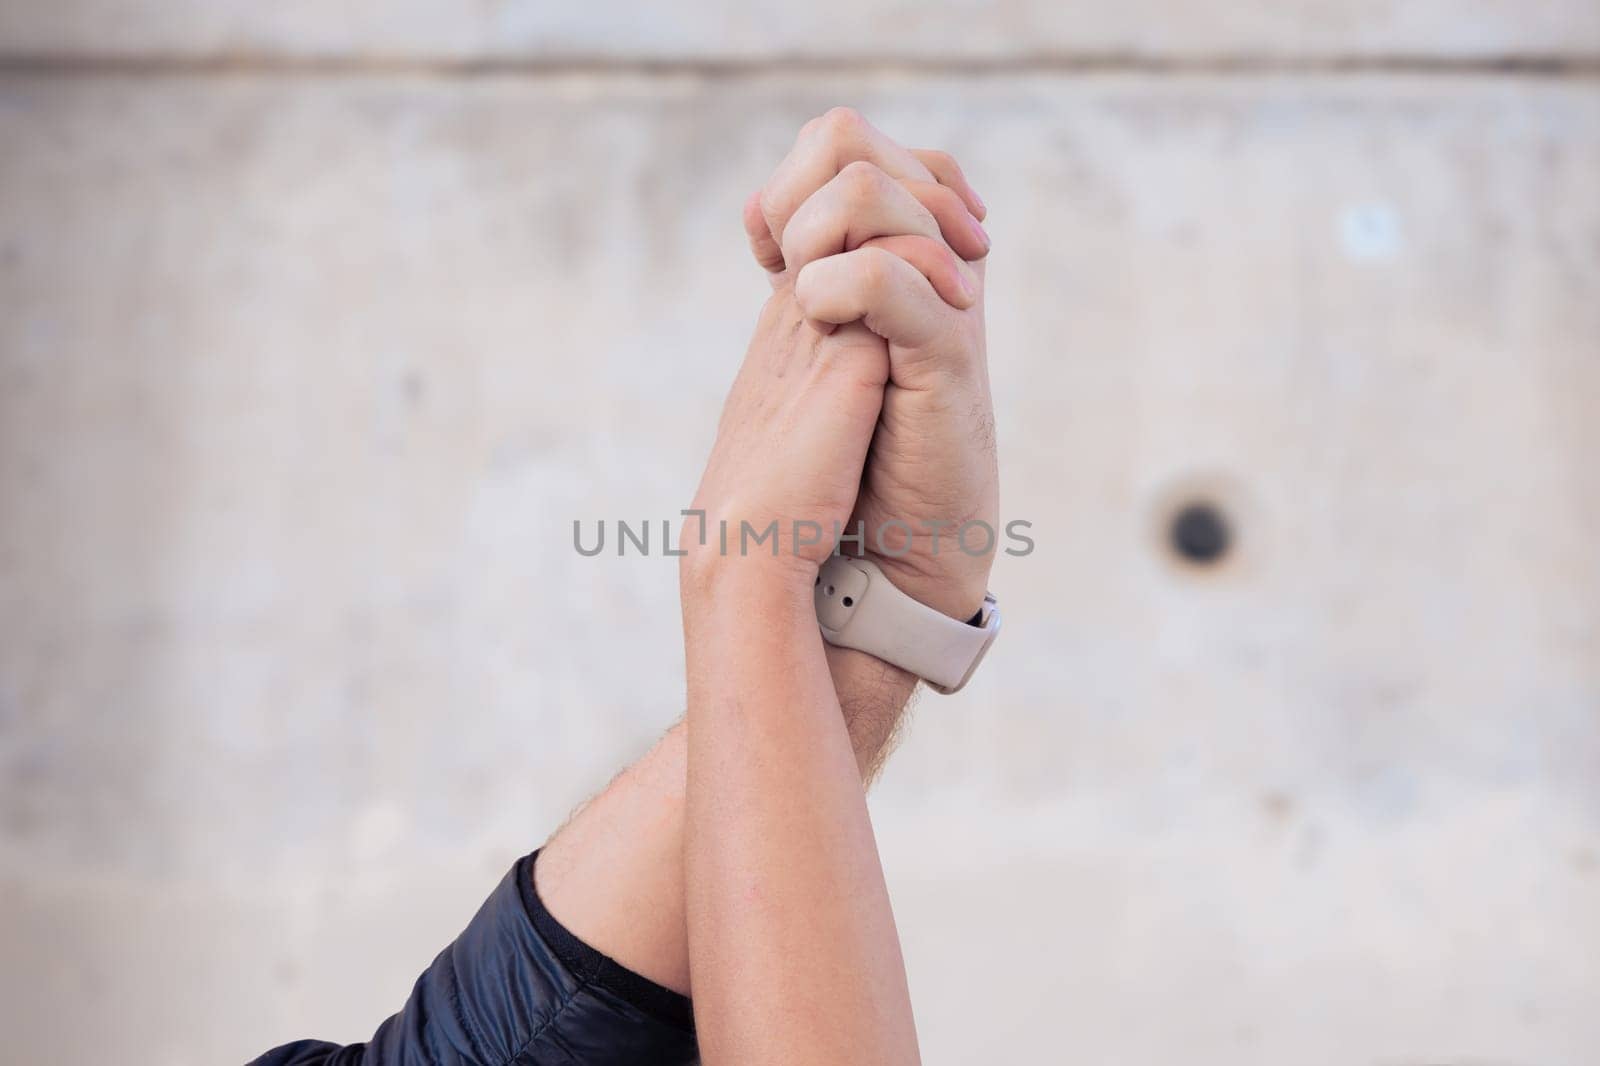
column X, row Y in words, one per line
column 858, row 607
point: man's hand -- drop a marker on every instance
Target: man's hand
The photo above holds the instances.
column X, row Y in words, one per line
column 848, row 218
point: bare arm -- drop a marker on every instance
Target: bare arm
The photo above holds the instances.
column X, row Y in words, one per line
column 792, row 943
column 614, row 874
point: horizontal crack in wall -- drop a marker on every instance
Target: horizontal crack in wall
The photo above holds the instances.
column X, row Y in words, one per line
column 270, row 64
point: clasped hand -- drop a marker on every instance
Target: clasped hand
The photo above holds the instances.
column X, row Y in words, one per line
column 863, row 405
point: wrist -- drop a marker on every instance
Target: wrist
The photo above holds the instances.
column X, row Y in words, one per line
column 874, row 696
column 954, row 591
column 738, row 587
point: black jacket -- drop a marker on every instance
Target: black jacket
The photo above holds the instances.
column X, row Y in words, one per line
column 517, row 989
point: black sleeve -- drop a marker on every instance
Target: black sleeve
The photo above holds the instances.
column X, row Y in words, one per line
column 517, row 989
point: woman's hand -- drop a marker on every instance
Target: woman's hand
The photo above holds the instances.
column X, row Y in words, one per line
column 786, row 466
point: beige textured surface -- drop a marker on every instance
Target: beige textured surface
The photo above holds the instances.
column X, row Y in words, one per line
column 304, row 380
column 741, row 31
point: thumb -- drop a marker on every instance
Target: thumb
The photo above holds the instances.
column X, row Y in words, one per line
column 762, row 244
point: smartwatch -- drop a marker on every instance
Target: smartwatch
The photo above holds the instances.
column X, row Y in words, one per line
column 858, row 607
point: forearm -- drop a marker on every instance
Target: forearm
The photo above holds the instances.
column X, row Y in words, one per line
column 791, row 938
column 613, row 874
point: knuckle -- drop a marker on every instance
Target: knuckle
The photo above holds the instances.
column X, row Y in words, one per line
column 843, row 117
column 876, row 271
column 843, row 124
column 860, row 170
column 862, row 182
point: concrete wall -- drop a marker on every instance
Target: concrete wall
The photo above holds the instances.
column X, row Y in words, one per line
column 321, row 327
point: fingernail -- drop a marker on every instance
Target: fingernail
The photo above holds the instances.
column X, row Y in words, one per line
column 981, row 233
column 983, row 208
column 967, row 287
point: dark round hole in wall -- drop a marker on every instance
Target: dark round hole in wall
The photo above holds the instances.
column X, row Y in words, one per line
column 1200, row 533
